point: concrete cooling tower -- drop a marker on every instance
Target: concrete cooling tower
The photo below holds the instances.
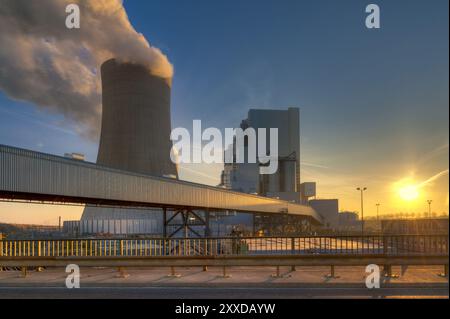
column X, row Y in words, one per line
column 135, row 136
column 135, row 133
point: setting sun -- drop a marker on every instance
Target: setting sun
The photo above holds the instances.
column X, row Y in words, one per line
column 409, row 192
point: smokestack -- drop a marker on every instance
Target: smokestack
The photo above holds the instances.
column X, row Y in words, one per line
column 135, row 132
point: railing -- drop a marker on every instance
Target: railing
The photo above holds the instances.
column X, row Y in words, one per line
column 412, row 245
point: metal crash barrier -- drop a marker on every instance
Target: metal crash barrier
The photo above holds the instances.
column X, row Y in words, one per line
column 411, row 245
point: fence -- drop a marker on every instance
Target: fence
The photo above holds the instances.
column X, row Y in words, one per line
column 411, row 245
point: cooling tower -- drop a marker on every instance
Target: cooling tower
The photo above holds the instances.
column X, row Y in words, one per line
column 135, row 134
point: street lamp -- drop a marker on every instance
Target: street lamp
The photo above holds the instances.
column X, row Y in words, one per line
column 429, row 207
column 378, row 219
column 429, row 214
column 362, row 189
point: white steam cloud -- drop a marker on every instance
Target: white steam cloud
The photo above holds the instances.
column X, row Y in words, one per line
column 56, row 68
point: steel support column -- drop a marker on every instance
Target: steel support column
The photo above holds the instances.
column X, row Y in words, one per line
column 185, row 219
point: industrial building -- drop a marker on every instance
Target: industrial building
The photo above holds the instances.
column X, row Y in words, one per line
column 349, row 222
column 134, row 188
column 285, row 183
column 329, row 210
column 135, row 138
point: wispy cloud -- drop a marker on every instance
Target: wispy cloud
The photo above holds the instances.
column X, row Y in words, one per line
column 30, row 118
column 439, row 150
column 314, row 165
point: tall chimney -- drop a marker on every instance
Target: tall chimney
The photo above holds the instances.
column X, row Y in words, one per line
column 135, row 133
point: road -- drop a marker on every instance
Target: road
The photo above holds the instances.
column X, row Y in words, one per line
column 223, row 293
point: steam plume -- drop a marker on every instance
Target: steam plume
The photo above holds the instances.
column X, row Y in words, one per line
column 43, row 62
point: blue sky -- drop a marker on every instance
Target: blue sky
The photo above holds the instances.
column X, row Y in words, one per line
column 374, row 103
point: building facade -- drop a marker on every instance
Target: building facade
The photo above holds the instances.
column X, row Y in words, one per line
column 329, row 210
column 285, row 183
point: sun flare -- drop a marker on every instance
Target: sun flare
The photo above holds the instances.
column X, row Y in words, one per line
column 408, row 192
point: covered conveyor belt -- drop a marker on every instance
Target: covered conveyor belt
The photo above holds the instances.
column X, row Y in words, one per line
column 30, row 175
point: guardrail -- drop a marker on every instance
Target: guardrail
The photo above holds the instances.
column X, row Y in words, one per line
column 407, row 245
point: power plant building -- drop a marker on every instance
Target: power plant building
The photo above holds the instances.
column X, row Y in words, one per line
column 329, row 210
column 135, row 137
column 285, row 183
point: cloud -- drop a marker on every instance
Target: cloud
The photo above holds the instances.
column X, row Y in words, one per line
column 315, row 165
column 437, row 151
column 55, row 68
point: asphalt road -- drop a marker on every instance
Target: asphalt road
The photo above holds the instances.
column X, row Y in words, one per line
column 212, row 293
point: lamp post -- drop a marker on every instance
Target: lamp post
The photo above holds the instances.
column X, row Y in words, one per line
column 429, row 207
column 362, row 189
column 429, row 215
column 378, row 218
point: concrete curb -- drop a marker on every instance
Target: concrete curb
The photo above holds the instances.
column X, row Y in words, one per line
column 230, row 285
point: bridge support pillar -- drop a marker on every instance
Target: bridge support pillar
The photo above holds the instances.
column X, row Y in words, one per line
column 224, row 272
column 122, row 273
column 277, row 273
column 388, row 271
column 444, row 274
column 173, row 273
column 332, row 273
column 205, row 268
column 24, row 272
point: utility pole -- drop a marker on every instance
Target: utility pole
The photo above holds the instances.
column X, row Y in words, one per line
column 378, row 206
column 362, row 189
